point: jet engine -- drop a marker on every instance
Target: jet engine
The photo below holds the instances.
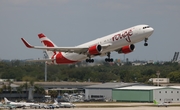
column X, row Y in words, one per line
column 127, row 49
column 95, row 49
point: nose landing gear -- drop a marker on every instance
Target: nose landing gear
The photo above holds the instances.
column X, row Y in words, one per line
column 145, row 44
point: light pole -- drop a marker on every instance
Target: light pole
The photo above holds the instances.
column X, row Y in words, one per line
column 45, row 72
column 158, row 73
column 45, row 67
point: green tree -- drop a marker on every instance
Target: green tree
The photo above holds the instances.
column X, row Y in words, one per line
column 20, row 90
column 39, row 90
column 174, row 76
column 1, row 90
column 53, row 93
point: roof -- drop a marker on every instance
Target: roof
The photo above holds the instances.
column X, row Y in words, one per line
column 61, row 83
column 68, row 89
column 175, row 87
column 111, row 85
column 140, row 88
column 12, row 85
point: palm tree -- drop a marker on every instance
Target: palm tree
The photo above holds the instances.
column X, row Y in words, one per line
column 53, row 93
column 19, row 90
column 9, row 86
column 31, row 83
column 4, row 87
column 1, row 90
column 39, row 90
column 26, row 86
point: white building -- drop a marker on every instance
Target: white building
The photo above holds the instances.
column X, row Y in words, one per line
column 155, row 81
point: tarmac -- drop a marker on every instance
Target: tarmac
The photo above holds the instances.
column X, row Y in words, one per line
column 128, row 108
column 118, row 106
column 115, row 108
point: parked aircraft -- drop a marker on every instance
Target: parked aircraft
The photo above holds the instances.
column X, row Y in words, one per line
column 2, row 105
column 64, row 104
column 18, row 104
column 121, row 42
column 56, row 104
column 160, row 104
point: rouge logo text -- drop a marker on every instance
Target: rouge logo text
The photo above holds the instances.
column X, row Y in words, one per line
column 124, row 35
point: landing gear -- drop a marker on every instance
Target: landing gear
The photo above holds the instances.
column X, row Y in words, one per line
column 108, row 59
column 89, row 60
column 145, row 44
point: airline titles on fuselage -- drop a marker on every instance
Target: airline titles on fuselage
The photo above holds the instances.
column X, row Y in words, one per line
column 125, row 34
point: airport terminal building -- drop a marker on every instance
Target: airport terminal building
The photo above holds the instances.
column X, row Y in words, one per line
column 132, row 92
column 146, row 94
column 104, row 90
column 118, row 91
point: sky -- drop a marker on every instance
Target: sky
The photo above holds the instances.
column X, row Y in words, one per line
column 73, row 22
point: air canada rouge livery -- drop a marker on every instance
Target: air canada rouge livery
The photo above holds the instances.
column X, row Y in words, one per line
column 121, row 42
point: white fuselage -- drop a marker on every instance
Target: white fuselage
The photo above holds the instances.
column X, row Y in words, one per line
column 21, row 104
column 117, row 40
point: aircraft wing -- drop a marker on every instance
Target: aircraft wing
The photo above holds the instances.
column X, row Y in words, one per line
column 62, row 49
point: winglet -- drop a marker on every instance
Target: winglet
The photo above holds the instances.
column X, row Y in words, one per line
column 26, row 43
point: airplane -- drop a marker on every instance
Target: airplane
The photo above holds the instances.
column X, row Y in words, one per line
column 121, row 42
column 18, row 104
column 2, row 105
column 160, row 104
column 63, row 104
column 54, row 105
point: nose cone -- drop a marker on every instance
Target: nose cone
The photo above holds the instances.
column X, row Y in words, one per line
column 150, row 31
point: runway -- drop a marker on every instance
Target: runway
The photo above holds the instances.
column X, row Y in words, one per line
column 127, row 108
column 115, row 108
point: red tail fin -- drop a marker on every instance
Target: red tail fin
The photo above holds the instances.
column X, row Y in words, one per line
column 46, row 41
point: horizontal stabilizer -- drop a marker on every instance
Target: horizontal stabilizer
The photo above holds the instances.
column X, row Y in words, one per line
column 26, row 43
column 40, row 60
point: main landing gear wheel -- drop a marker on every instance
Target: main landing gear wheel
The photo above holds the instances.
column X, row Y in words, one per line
column 108, row 59
column 145, row 44
column 90, row 60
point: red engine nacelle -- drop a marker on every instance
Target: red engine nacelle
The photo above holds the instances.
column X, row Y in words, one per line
column 127, row 49
column 95, row 49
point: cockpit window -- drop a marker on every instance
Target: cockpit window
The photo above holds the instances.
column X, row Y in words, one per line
column 146, row 27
